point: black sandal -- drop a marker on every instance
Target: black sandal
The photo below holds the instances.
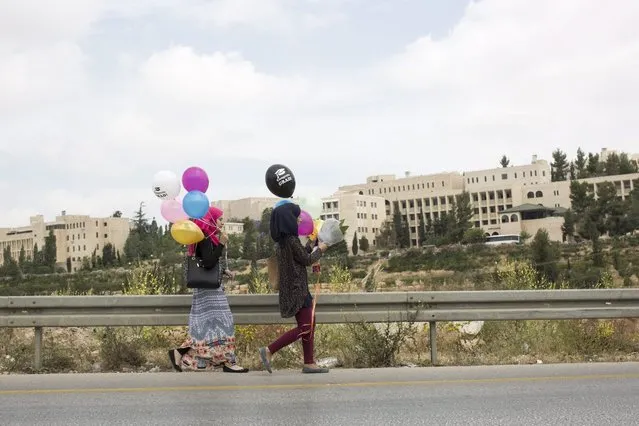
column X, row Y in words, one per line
column 227, row 369
column 176, row 367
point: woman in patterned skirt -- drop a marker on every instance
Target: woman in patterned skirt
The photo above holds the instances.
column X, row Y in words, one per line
column 211, row 341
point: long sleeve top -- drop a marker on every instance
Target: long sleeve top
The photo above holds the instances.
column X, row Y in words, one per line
column 292, row 260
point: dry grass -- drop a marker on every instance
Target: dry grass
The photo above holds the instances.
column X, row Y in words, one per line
column 355, row 345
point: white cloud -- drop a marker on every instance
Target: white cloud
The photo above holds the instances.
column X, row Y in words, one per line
column 547, row 73
column 265, row 15
column 37, row 77
column 513, row 77
column 223, row 80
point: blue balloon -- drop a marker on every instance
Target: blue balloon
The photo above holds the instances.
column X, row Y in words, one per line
column 196, row 204
column 282, row 202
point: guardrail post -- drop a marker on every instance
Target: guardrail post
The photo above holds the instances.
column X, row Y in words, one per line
column 432, row 330
column 37, row 361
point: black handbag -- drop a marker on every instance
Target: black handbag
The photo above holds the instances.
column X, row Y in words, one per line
column 198, row 276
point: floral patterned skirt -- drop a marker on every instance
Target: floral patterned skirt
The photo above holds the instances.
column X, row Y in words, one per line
column 211, row 341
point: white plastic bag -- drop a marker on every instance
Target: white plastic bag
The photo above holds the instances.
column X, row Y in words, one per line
column 330, row 233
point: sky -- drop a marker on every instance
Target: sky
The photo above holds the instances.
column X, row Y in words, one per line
column 96, row 96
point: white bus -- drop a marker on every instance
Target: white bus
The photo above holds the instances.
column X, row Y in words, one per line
column 503, row 239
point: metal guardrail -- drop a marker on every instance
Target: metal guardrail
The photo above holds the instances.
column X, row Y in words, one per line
column 431, row 307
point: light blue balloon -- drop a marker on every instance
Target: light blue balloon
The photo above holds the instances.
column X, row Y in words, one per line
column 196, row 204
column 282, row 202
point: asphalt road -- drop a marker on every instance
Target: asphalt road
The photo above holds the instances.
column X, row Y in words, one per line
column 576, row 394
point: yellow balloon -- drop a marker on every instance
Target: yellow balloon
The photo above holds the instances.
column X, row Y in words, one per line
column 186, row 232
column 317, row 225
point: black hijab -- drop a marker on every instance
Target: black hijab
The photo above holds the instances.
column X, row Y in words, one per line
column 284, row 221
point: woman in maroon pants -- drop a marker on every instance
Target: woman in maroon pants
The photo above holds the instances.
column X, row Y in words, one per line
column 294, row 296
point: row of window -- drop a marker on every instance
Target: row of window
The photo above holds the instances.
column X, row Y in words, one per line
column 374, row 216
column 411, row 187
column 84, row 236
column 361, row 203
column 504, row 176
column 84, row 248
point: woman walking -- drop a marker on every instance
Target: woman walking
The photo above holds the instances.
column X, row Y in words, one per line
column 211, row 341
column 295, row 299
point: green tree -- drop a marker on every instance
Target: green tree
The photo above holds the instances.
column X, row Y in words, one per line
column 117, row 213
column 9, row 264
column 545, row 255
column 633, row 207
column 354, row 245
column 387, row 238
column 86, row 264
column 612, row 164
column 611, row 210
column 249, row 245
column 559, row 166
column 401, row 230
column 364, row 244
column 474, row 236
column 108, row 255
column 626, row 165
column 580, row 197
column 36, row 259
column 265, row 243
column 234, row 246
column 421, row 230
column 50, row 251
column 94, row 260
column 568, row 228
column 139, row 244
column 22, row 259
column 504, row 162
column 580, row 165
column 594, row 167
column 463, row 214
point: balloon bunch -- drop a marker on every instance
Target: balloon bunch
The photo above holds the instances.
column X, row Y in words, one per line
column 194, row 205
column 281, row 182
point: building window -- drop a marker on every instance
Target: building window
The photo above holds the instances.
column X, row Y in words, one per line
column 514, row 218
column 504, row 219
column 539, row 194
column 504, row 176
column 531, row 195
column 106, row 236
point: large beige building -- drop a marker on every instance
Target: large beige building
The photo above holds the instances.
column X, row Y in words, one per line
column 504, row 200
column 245, row 207
column 363, row 214
column 77, row 236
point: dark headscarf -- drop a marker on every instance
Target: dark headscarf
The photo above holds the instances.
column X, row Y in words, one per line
column 284, row 221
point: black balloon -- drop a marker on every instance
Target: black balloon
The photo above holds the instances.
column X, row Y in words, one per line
column 280, row 181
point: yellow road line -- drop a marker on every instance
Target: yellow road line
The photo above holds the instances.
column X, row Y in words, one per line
column 316, row 385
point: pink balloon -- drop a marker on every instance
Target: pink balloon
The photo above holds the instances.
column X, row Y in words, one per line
column 195, row 179
column 172, row 211
column 305, row 227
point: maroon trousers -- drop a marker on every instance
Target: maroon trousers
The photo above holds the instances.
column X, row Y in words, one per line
column 303, row 331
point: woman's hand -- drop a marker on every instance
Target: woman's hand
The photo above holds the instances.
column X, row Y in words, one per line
column 229, row 273
column 224, row 238
column 323, row 247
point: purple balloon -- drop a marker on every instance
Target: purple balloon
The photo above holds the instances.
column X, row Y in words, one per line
column 305, row 226
column 195, row 179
